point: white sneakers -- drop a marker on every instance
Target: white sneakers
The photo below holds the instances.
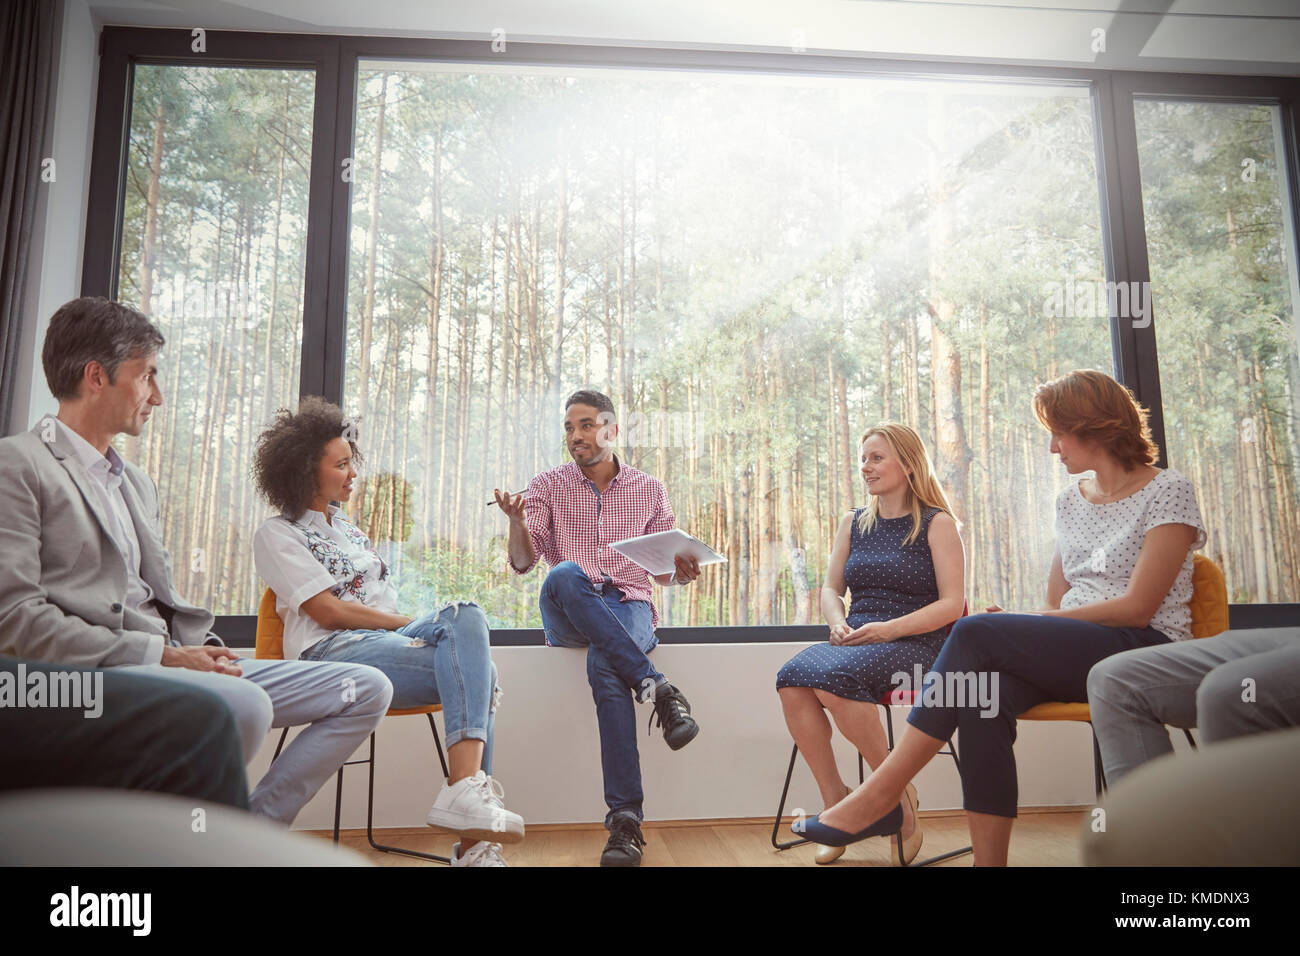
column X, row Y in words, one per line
column 475, row 808
column 480, row 854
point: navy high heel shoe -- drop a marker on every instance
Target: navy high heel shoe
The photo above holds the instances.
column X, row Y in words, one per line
column 818, row 832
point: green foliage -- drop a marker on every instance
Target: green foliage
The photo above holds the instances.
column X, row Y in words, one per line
column 723, row 247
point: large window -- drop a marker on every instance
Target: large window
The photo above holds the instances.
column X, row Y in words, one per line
column 213, row 241
column 1223, row 275
column 757, row 256
column 755, row 268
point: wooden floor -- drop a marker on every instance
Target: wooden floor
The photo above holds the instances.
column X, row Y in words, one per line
column 1042, row 837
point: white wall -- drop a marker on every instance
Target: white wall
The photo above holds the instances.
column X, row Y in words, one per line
column 548, row 756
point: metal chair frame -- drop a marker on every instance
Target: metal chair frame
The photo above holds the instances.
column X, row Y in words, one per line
column 889, row 729
column 370, row 795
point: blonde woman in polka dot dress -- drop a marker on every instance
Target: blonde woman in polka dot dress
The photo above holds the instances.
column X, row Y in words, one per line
column 1120, row 579
column 901, row 559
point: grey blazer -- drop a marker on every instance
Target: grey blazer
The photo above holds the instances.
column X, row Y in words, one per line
column 62, row 579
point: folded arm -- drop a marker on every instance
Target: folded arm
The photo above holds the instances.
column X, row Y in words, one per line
column 328, row 611
column 1164, row 550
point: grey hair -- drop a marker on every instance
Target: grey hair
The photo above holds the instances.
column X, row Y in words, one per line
column 93, row 329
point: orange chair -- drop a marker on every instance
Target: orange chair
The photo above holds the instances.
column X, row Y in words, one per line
column 270, row 646
column 1209, row 605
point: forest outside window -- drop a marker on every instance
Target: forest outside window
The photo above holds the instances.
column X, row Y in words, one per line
column 755, row 268
column 755, row 265
column 1224, row 285
column 213, row 250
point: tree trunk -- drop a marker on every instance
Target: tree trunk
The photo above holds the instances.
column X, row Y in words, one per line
column 945, row 359
column 433, row 303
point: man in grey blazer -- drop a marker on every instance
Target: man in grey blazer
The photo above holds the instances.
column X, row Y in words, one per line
column 85, row 579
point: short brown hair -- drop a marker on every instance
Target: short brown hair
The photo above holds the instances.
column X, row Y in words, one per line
column 93, row 329
column 1093, row 406
column 289, row 451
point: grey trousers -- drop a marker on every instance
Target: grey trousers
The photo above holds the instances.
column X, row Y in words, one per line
column 1238, row 683
column 340, row 703
column 1230, row 804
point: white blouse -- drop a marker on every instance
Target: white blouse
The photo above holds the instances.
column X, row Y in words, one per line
column 299, row 559
column 1099, row 545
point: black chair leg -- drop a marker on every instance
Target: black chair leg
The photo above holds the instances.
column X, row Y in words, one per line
column 1098, row 774
column 898, row 846
column 338, row 802
column 895, row 846
column 370, row 804
column 780, row 810
column 280, row 745
column 1191, row 741
column 437, row 742
column 370, row 795
column 938, row 858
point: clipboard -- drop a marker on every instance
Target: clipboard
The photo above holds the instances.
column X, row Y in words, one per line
column 657, row 552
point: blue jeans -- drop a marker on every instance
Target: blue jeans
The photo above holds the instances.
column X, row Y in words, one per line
column 1036, row 659
column 441, row 658
column 617, row 635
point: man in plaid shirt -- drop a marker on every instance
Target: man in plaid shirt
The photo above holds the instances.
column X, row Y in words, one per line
column 594, row 597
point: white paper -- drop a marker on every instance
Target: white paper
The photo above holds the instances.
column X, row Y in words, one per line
column 657, row 552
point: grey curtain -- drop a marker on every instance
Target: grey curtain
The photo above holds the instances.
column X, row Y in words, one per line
column 26, row 66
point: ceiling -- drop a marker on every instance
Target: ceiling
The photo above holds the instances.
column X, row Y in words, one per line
column 1224, row 36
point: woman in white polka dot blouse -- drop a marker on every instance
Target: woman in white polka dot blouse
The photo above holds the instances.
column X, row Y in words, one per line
column 902, row 560
column 1120, row 579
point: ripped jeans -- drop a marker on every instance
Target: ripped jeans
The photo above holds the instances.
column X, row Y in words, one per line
column 441, row 658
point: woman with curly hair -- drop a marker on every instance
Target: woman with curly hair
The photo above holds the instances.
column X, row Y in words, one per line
column 1120, row 579
column 338, row 602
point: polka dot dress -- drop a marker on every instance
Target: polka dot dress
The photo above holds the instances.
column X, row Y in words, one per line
column 886, row 579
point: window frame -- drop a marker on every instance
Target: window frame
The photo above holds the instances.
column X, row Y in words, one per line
column 336, row 59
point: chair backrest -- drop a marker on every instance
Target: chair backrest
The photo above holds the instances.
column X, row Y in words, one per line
column 270, row 630
column 1209, row 603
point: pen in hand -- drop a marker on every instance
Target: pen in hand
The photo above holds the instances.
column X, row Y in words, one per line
column 519, row 492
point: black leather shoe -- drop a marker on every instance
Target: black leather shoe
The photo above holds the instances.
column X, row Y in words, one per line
column 673, row 713
column 624, row 845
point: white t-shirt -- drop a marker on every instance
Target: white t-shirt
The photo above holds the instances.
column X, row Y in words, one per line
column 299, row 559
column 1099, row 545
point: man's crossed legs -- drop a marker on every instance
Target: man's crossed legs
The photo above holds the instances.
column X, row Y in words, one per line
column 618, row 636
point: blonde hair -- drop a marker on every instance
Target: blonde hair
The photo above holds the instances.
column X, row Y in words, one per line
column 925, row 489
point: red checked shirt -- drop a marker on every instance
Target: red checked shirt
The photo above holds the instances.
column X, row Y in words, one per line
column 569, row 521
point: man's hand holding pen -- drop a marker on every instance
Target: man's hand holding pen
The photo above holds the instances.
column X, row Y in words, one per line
column 512, row 505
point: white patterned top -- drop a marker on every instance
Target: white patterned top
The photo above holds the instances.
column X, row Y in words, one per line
column 1100, row 543
column 300, row 559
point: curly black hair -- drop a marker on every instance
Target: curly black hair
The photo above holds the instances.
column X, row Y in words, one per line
column 290, row 450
